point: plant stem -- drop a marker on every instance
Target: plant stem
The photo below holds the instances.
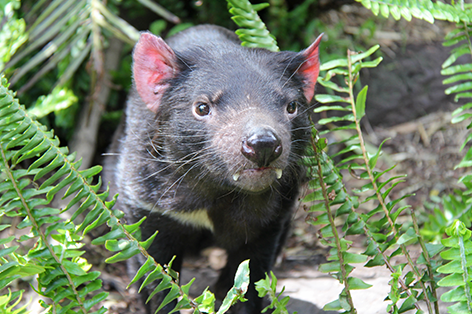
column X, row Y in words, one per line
column 334, row 230
column 428, row 262
column 372, row 179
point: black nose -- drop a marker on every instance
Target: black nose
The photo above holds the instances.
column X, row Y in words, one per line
column 262, row 146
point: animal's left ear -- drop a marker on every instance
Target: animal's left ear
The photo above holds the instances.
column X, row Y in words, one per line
column 310, row 68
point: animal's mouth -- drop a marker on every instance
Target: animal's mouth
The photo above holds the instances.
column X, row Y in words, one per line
column 256, row 180
column 257, row 172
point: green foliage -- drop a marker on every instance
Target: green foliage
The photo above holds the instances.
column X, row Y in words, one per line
column 68, row 29
column 423, row 9
column 459, row 268
column 444, row 212
column 12, row 34
column 62, row 274
column 8, row 303
column 268, row 286
column 331, row 200
column 254, row 32
column 59, row 99
column 420, row 284
column 241, row 284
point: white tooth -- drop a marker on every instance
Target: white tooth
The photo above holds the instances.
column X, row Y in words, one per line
column 236, row 176
column 278, row 172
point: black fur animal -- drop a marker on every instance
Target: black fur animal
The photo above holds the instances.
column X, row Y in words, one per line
column 210, row 152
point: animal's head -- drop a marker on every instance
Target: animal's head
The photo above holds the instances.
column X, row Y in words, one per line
column 235, row 115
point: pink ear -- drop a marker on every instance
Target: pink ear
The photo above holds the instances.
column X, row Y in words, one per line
column 154, row 62
column 310, row 68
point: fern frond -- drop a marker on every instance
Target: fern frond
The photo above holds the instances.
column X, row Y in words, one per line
column 460, row 257
column 254, row 32
column 68, row 29
column 384, row 234
column 423, row 9
column 8, row 303
column 460, row 75
column 64, row 278
column 12, row 32
column 328, row 192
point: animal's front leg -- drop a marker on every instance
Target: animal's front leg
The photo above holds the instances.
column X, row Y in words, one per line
column 262, row 253
column 169, row 242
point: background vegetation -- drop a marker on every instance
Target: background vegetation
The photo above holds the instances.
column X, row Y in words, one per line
column 69, row 62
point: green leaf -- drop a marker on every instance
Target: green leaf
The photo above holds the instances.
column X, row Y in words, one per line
column 333, row 306
column 452, row 280
column 172, row 295
column 408, row 304
column 241, row 284
column 325, row 98
column 408, row 236
column 364, row 55
column 360, row 103
column 357, row 284
column 241, row 279
column 455, row 295
column 73, row 268
column 330, row 267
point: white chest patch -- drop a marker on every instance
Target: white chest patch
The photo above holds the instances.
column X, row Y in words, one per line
column 197, row 218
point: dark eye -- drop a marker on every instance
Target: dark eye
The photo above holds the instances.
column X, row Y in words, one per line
column 202, row 109
column 292, row 107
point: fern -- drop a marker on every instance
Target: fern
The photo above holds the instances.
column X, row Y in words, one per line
column 459, row 268
column 330, row 196
column 423, row 9
column 64, row 277
column 268, row 286
column 461, row 77
column 21, row 138
column 386, row 238
column 254, row 34
column 457, row 206
column 68, row 28
column 8, row 303
column 449, row 208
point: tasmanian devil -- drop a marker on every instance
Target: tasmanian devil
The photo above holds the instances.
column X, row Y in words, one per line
column 211, row 148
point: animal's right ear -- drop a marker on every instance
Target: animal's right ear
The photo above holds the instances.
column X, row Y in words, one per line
column 154, row 62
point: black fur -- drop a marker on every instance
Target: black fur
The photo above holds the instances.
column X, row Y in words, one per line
column 169, row 164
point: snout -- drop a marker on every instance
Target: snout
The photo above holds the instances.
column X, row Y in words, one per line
column 262, row 146
column 254, row 146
